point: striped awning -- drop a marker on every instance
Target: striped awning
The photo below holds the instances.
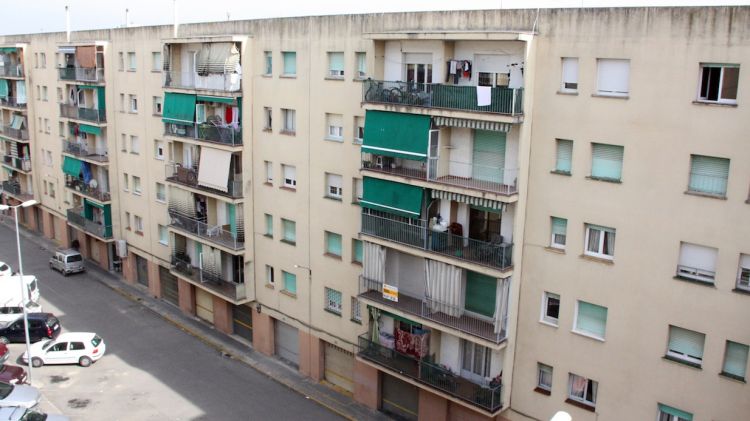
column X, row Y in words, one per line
column 476, row 201
column 473, row 124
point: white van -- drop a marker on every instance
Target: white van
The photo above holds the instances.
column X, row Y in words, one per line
column 10, row 288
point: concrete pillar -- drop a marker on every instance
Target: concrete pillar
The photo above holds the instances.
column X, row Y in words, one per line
column 103, row 254
column 432, row 407
column 129, row 271
column 83, row 243
column 48, row 222
column 222, row 315
column 263, row 340
column 186, row 292
column 31, row 222
column 62, row 226
column 311, row 355
column 154, row 282
column 366, row 385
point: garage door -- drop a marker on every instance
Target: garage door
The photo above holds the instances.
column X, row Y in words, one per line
column 339, row 367
column 287, row 342
column 168, row 286
column 242, row 320
column 141, row 266
column 204, row 305
column 399, row 399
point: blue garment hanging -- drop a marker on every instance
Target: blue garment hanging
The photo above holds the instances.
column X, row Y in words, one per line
column 86, row 170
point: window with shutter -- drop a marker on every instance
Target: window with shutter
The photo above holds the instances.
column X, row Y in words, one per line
column 480, row 293
column 735, row 360
column 333, row 186
column 613, row 77
column 333, row 243
column 564, row 162
column 667, row 413
column 569, row 74
column 606, row 161
column 697, row 262
column 559, row 232
column 686, row 345
column 290, row 176
column 290, row 63
column 591, row 319
column 290, row 282
column 290, row 231
column 336, row 64
column 708, row 175
column 743, row 275
column 269, row 225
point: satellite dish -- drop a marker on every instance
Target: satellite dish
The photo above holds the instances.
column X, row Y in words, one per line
column 93, row 183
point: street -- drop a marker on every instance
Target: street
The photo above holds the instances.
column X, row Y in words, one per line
column 152, row 370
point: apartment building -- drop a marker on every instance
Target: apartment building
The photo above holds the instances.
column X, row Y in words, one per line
column 448, row 215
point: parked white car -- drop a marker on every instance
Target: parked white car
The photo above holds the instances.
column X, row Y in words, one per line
column 11, row 313
column 5, row 269
column 81, row 348
column 18, row 395
column 23, row 414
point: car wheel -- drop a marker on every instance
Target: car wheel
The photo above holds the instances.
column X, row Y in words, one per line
column 37, row 362
column 65, row 273
column 84, row 361
column 4, row 340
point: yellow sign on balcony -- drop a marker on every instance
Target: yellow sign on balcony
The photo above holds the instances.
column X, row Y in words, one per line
column 390, row 292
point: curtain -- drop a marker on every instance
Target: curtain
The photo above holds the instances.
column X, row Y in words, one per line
column 578, row 386
column 443, row 287
column 21, row 92
column 375, row 325
column 501, row 306
column 374, row 266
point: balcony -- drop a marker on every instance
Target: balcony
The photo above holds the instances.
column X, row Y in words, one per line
column 505, row 101
column 495, row 255
column 81, row 74
column 79, row 113
column 217, row 234
column 21, row 135
column 20, row 164
column 91, row 190
column 82, row 150
column 487, row 397
column 209, row 279
column 206, row 132
column 13, row 102
column 226, row 82
column 11, row 69
column 176, row 173
column 13, row 188
column 77, row 218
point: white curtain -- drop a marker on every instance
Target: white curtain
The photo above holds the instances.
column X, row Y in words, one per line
column 443, row 287
column 21, row 92
column 501, row 305
column 374, row 264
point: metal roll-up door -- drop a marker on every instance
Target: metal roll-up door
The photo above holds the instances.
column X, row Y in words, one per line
column 169, row 290
column 488, row 162
column 242, row 321
column 204, row 305
column 399, row 399
column 141, row 266
column 287, row 342
column 339, row 367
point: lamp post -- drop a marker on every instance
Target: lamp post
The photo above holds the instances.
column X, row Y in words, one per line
column 25, row 204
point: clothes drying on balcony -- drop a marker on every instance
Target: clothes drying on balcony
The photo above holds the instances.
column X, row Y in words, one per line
column 414, row 344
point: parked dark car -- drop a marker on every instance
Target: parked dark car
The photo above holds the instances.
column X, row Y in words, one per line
column 12, row 374
column 41, row 326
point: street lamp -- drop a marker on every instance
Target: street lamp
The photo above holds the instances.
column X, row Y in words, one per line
column 25, row 204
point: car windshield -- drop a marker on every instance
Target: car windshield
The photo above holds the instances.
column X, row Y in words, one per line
column 96, row 341
column 74, row 258
column 46, row 344
column 5, row 390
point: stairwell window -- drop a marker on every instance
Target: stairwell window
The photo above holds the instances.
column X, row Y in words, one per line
column 735, row 360
column 613, row 77
column 156, row 62
column 697, row 263
column 267, row 119
column 718, row 83
column 333, row 301
column 269, row 172
column 290, row 63
column 582, row 390
column 685, row 346
column 591, row 320
column 559, row 233
column 357, row 251
column 569, row 82
column 138, row 224
column 135, row 145
column 606, row 162
column 157, row 105
column 743, row 274
column 161, row 193
column 136, row 185
column 269, row 276
column 133, row 101
column 708, row 175
column 336, row 65
column 600, row 242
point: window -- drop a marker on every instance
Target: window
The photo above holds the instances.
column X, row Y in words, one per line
column 333, row 301
column 333, row 244
column 708, row 175
column 563, row 163
column 719, row 83
column 569, row 74
column 157, row 105
column 135, row 145
column 735, row 360
column 136, row 184
column 123, row 143
column 360, row 60
column 559, row 232
column 120, row 61
column 288, row 121
column 269, row 225
column 551, row 308
column 544, row 377
column 356, row 310
column 600, row 241
column 133, row 100
column 290, row 63
column 606, row 161
column 475, row 360
column 122, row 103
column 591, row 319
column 125, row 182
column 52, row 190
column 44, row 93
column 163, row 235
column 38, row 92
column 335, row 127
column 268, row 61
column 290, row 231
column 267, row 119
column 159, row 150
column 583, row 390
column 356, row 190
column 127, row 220
column 357, row 251
column 131, row 61
column 336, row 65
column 667, row 413
column 156, row 64
column 290, row 282
column 333, row 186
column 43, row 60
column 161, row 192
column 48, row 158
column 269, row 171
column 686, row 345
column 61, row 129
column 743, row 275
column 359, row 130
column 47, row 128
column 59, row 95
column 269, row 275
column 613, row 77
column 290, row 176
column 138, row 224
column 697, row 262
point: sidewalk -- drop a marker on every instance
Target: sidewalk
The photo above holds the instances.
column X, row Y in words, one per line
column 227, row 346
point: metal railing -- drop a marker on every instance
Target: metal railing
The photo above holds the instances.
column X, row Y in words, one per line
column 76, row 217
column 707, row 184
column 19, row 134
column 189, row 177
column 21, row 164
column 12, row 70
column 228, row 82
column 12, row 101
column 79, row 113
column 497, row 255
column 696, row 273
column 388, row 165
column 13, row 188
column 213, row 233
column 487, row 397
column 452, row 97
column 82, row 74
column 82, row 150
column 80, row 186
column 181, row 263
column 207, row 132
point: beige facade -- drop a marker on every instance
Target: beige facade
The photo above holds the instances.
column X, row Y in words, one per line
column 443, row 197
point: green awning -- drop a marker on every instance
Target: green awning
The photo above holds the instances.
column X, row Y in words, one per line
column 8, row 50
column 71, row 166
column 85, row 128
column 676, row 412
column 179, row 109
column 400, row 319
column 94, row 204
column 220, row 99
column 391, row 197
column 398, row 135
column 3, row 88
column 88, row 87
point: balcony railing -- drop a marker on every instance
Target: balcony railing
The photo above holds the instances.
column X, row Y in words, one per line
column 432, row 309
column 496, row 255
column 12, row 101
column 19, row 134
column 79, row 113
column 82, row 150
column 12, row 70
column 21, row 164
column 82, row 74
column 208, row 278
column 13, row 188
column 214, row 233
column 228, row 82
column 488, row 397
column 450, row 97
column 88, row 189
column 176, row 173
column 206, row 132
column 75, row 217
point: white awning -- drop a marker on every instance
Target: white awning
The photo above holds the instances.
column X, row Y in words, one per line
column 213, row 171
column 473, row 124
column 66, row 50
column 476, row 201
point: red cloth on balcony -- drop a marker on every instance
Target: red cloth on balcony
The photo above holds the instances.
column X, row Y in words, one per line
column 415, row 345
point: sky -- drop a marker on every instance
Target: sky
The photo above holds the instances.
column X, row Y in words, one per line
column 34, row 16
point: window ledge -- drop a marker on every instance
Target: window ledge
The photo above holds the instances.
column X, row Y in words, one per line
column 558, row 172
column 139, row 233
column 288, row 132
column 335, row 313
column 606, row 180
column 338, row 78
column 572, row 93
column 357, row 142
column 708, row 195
column 542, row 391
column 587, row 335
column 289, row 294
column 741, row 291
column 359, row 79
column 268, row 236
column 597, row 259
column 334, row 139
column 683, row 362
column 734, row 377
column 332, row 256
column 359, row 322
column 581, row 405
column 555, row 250
column 356, row 203
column 599, row 95
column 164, row 244
column 354, row 262
column 714, row 104
column 268, row 184
column 335, row 199
column 163, row 202
column 155, row 71
column 292, row 189
column 267, row 75
column 156, row 114
column 287, row 76
column 694, row 281
column 291, row 243
column 269, row 286
column 548, row 323
column 267, row 130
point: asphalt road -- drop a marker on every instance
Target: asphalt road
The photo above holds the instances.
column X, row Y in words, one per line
column 152, row 370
